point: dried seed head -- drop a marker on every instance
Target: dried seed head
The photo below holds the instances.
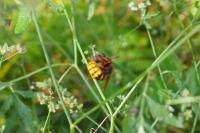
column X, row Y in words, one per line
column 8, row 52
column 46, row 96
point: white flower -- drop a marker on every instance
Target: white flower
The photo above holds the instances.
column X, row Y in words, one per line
column 131, row 4
column 141, row 5
column 171, row 109
column 32, row 87
column 135, row 6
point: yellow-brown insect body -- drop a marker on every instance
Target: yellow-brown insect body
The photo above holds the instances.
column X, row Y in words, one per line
column 94, row 70
column 100, row 67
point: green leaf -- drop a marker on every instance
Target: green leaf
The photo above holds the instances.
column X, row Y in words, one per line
column 162, row 114
column 25, row 94
column 171, row 120
column 157, row 110
column 12, row 122
column 24, row 19
column 178, row 81
column 129, row 125
column 25, row 115
column 7, row 104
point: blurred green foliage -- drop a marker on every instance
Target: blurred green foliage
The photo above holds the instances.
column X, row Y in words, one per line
column 116, row 31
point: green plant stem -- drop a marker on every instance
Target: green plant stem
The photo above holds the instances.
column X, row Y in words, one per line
column 154, row 123
column 35, row 72
column 98, row 106
column 98, row 88
column 112, row 124
column 46, row 122
column 143, row 99
column 51, row 71
column 111, row 130
column 65, row 73
column 158, row 60
column 87, row 83
column 89, row 118
column 94, row 93
column 102, row 95
column 194, row 123
column 168, row 51
column 86, row 114
column 2, row 128
column 74, row 35
column 197, row 65
column 178, row 101
column 81, row 52
column 128, row 95
column 155, row 56
column 101, row 123
column 112, row 96
column 141, row 76
column 76, row 44
column 193, row 57
column 184, row 100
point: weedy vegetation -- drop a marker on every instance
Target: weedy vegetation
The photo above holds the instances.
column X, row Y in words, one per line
column 45, row 47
